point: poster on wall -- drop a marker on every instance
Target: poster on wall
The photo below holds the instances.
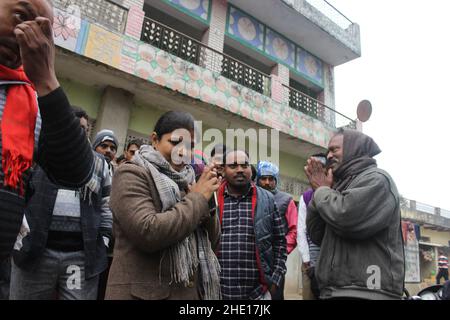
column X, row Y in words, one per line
column 412, row 261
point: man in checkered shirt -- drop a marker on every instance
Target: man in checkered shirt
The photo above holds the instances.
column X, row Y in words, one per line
column 252, row 249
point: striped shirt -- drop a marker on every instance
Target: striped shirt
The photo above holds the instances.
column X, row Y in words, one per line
column 65, row 230
column 239, row 277
column 443, row 262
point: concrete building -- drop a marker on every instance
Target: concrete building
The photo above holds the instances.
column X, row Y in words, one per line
column 431, row 233
column 265, row 64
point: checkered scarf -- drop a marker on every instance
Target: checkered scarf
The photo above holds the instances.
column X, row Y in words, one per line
column 184, row 258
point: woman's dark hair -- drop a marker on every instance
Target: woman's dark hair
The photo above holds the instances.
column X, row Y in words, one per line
column 121, row 158
column 173, row 120
column 219, row 148
column 136, row 142
column 80, row 113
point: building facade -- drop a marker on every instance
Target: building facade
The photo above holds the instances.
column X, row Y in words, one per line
column 426, row 230
column 236, row 64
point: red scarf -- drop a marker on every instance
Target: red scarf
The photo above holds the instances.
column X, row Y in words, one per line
column 17, row 127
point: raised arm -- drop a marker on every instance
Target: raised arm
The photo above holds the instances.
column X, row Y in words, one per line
column 135, row 212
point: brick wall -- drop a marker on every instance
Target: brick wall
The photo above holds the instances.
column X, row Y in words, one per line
column 134, row 22
column 215, row 36
column 135, row 18
column 280, row 77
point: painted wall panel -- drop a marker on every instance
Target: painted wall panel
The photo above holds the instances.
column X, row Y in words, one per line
column 245, row 28
column 200, row 9
column 160, row 67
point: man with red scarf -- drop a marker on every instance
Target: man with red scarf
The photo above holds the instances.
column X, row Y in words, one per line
column 252, row 248
column 36, row 120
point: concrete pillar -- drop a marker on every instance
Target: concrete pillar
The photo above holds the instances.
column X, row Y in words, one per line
column 214, row 37
column 327, row 96
column 328, row 91
column 114, row 114
column 135, row 18
column 354, row 31
column 437, row 211
column 280, row 79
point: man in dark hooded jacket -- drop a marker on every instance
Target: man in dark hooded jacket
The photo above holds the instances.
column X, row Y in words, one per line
column 355, row 218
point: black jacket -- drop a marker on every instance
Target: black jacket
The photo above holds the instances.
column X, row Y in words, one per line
column 63, row 152
column 39, row 212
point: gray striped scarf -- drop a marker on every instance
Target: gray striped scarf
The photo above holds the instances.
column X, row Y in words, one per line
column 182, row 258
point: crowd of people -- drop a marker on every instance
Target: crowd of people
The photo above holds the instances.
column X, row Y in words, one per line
column 78, row 222
column 211, row 230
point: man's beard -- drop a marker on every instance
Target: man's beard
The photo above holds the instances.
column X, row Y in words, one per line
column 9, row 53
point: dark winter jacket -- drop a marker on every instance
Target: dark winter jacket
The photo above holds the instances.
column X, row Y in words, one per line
column 359, row 231
column 62, row 151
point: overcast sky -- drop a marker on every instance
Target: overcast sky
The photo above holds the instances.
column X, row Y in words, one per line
column 404, row 71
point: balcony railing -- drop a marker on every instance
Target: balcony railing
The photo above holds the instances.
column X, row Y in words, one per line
column 104, row 12
column 316, row 109
column 426, row 208
column 189, row 49
column 325, row 8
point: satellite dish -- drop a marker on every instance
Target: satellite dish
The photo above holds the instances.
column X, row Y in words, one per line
column 364, row 110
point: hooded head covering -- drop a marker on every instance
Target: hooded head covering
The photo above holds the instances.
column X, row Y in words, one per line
column 357, row 145
column 266, row 168
column 358, row 152
column 105, row 135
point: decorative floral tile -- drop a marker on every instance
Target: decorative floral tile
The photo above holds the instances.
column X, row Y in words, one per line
column 245, row 28
column 280, row 48
column 309, row 65
column 66, row 29
column 198, row 8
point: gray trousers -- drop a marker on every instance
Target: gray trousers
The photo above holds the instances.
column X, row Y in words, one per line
column 59, row 275
column 5, row 278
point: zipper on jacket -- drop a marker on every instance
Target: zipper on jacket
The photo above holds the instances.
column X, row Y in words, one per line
column 333, row 256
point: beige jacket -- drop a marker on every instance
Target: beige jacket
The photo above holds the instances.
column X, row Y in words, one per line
column 142, row 231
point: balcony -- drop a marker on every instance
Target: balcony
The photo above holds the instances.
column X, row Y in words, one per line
column 191, row 50
column 316, row 109
column 424, row 214
column 104, row 12
column 308, row 26
column 328, row 10
column 213, row 86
